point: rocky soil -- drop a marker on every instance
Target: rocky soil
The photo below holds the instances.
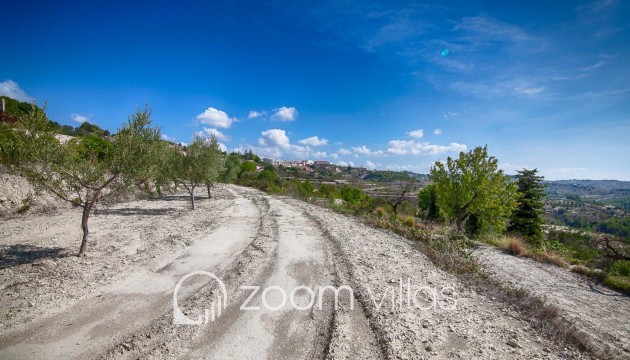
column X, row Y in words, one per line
column 117, row 301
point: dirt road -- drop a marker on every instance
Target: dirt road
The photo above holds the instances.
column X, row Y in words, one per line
column 328, row 287
column 602, row 314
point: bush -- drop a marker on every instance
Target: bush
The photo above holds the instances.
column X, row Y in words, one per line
column 381, row 212
column 514, row 246
column 618, row 283
column 620, row 268
column 409, row 221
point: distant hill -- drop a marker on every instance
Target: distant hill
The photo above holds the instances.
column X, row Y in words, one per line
column 387, row 176
column 15, row 109
column 597, row 190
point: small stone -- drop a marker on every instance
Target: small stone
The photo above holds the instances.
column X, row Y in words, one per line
column 546, row 349
column 428, row 348
column 512, row 343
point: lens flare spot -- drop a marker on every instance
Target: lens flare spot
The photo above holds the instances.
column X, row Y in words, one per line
column 444, row 52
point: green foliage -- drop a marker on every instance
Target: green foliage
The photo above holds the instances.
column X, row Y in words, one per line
column 527, row 218
column 91, row 146
column 85, row 169
column 622, row 203
column 473, row 184
column 427, row 203
column 247, row 167
column 475, row 225
column 328, row 191
column 388, row 176
column 19, row 108
column 199, row 164
column 360, row 201
column 231, row 168
column 620, row 268
column 268, row 175
column 16, row 110
column 249, row 155
column 303, row 189
column 616, row 226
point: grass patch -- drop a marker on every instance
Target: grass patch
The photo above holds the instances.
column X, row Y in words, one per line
column 514, row 245
column 619, row 283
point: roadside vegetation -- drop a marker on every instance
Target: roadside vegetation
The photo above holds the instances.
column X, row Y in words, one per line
column 462, row 201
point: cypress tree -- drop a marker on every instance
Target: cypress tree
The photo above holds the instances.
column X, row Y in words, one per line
column 527, row 218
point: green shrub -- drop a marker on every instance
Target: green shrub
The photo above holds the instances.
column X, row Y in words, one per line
column 620, row 268
column 409, row 221
column 621, row 284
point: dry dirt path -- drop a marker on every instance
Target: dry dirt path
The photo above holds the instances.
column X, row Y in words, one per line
column 477, row 327
column 246, row 238
column 91, row 325
column 602, row 314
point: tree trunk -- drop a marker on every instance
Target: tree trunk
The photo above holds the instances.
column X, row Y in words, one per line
column 87, row 209
column 460, row 217
column 192, row 196
column 209, row 194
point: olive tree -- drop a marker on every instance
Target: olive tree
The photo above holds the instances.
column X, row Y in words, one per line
column 85, row 169
column 472, row 186
column 197, row 164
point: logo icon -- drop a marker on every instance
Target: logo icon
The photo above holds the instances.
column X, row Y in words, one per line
column 217, row 306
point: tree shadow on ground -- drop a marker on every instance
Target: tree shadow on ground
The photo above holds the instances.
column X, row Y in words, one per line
column 184, row 198
column 135, row 211
column 18, row 254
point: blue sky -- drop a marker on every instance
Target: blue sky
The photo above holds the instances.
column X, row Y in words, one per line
column 544, row 84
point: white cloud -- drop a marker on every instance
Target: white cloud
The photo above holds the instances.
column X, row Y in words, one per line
column 207, row 132
column 80, row 118
column 488, row 88
column 437, row 131
column 345, row 163
column 529, row 90
column 411, row 147
column 483, row 29
column 363, row 150
column 511, row 168
column 167, row 138
column 449, row 114
column 255, row 114
column 343, row 151
column 274, row 138
column 11, row 89
column 416, row 134
column 285, row 113
column 222, row 147
column 313, row 141
column 370, row 165
column 320, row 154
column 334, row 156
column 215, row 117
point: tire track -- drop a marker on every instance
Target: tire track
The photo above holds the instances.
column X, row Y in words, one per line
column 98, row 322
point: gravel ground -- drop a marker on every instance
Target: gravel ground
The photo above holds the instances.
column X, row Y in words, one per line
column 117, row 302
column 600, row 313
